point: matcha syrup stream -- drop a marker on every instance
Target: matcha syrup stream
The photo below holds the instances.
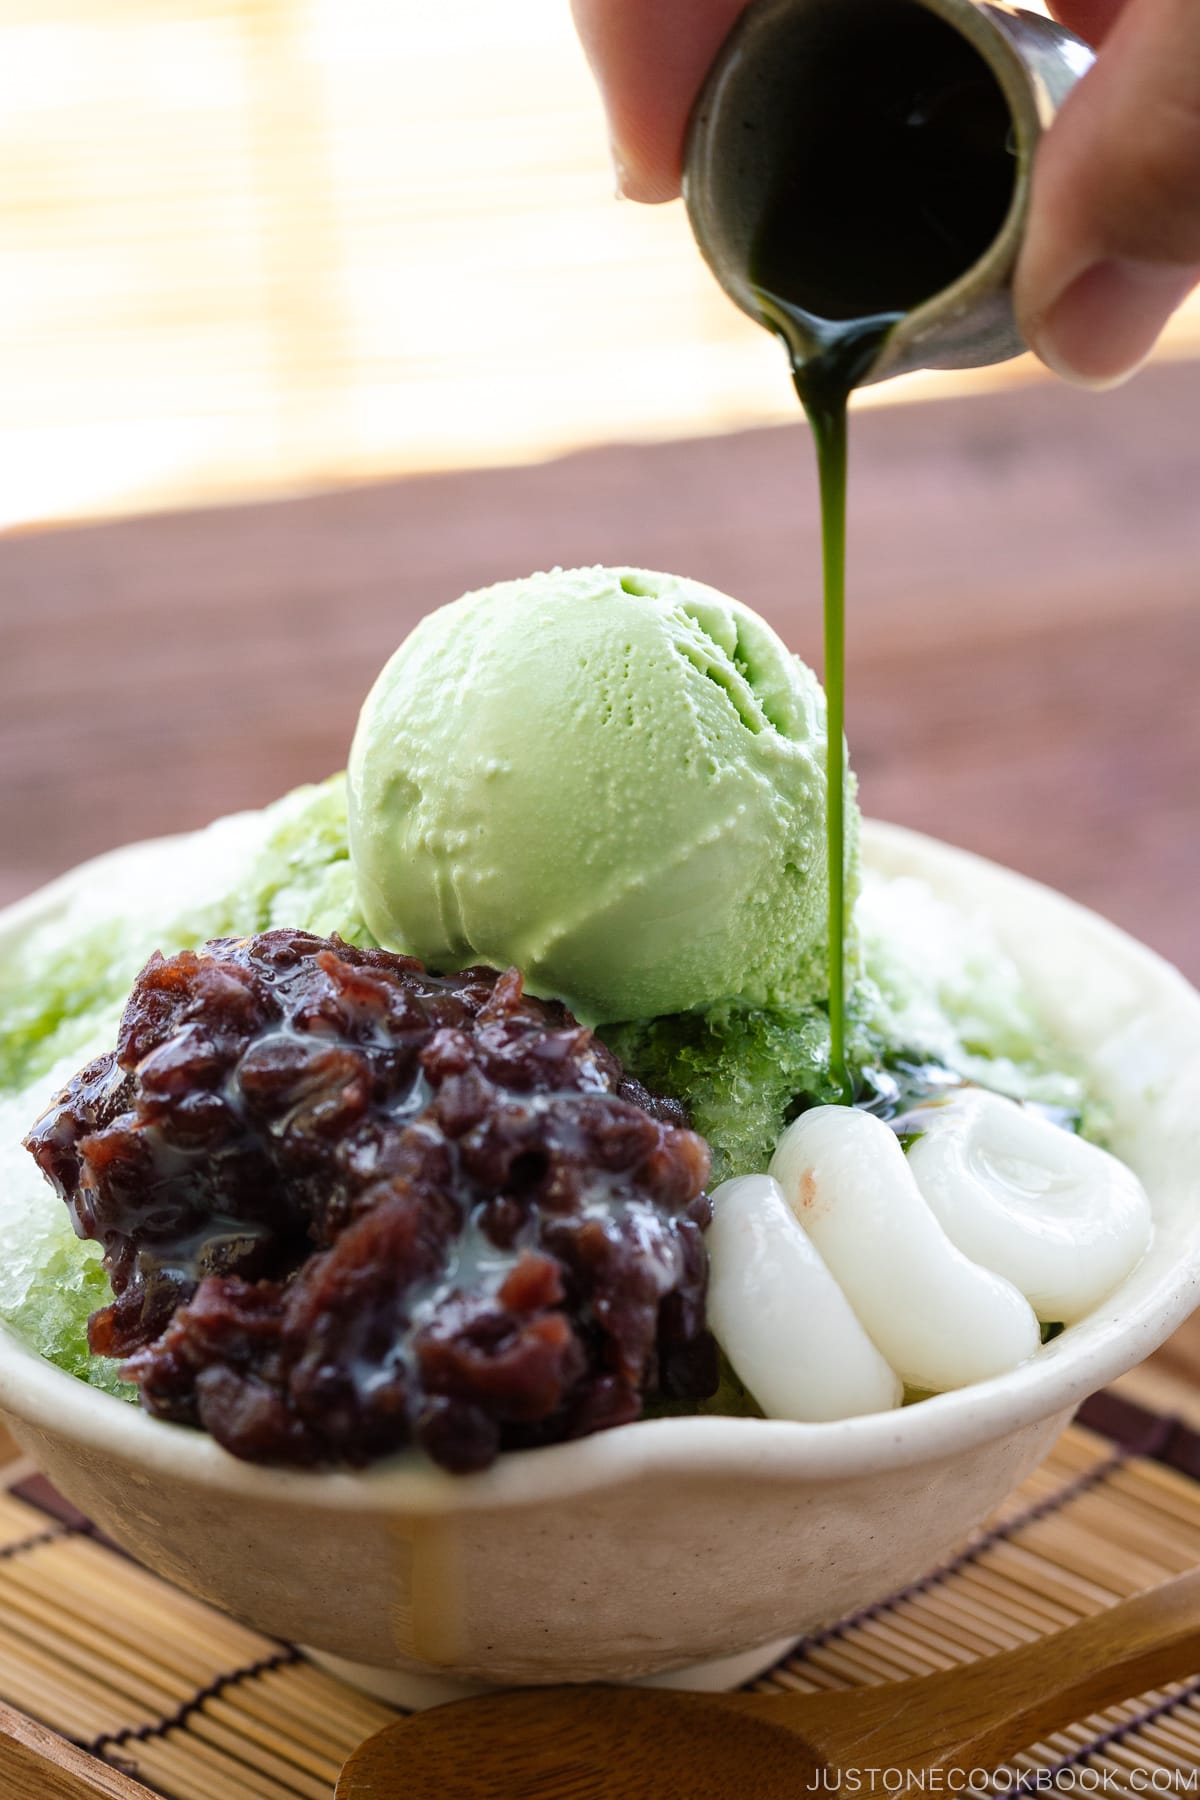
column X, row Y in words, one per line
column 889, row 182
column 824, row 381
column 828, row 361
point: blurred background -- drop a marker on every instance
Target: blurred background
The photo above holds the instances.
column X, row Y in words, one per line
column 252, row 247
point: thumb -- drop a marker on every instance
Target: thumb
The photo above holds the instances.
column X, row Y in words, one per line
column 1113, row 241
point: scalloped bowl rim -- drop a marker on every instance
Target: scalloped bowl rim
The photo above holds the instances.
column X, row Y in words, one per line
column 1097, row 1350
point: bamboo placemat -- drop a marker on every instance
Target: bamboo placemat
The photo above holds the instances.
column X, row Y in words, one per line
column 143, row 1685
column 1115, row 1509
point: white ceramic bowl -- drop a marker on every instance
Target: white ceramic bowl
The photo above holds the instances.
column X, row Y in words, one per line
column 678, row 1541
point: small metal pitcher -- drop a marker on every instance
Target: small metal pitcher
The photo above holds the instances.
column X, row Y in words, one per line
column 788, row 58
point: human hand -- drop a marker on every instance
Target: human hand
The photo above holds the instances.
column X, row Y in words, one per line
column 1113, row 239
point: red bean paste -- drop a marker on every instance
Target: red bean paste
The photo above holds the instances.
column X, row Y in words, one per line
column 347, row 1206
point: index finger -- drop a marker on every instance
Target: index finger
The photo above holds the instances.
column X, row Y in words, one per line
column 650, row 57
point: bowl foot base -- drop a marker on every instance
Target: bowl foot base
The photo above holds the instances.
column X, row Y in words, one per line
column 414, row 1691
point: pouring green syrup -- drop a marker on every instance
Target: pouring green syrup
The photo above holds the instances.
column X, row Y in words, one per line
column 828, row 362
column 892, row 185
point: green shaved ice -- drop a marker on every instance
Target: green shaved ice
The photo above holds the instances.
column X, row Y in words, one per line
column 49, row 1282
column 738, row 1069
column 937, row 982
column 287, row 865
column 62, row 987
column 934, row 987
column 81, row 960
column 303, row 876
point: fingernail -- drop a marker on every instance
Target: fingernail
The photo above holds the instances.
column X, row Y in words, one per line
column 629, row 182
column 1103, row 326
column 620, row 172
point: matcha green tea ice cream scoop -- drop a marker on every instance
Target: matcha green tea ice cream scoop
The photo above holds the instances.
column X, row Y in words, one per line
column 613, row 779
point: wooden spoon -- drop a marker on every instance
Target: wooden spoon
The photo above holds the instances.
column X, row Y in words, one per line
column 604, row 1743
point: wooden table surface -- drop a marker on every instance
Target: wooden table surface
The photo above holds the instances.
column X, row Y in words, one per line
column 1024, row 638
